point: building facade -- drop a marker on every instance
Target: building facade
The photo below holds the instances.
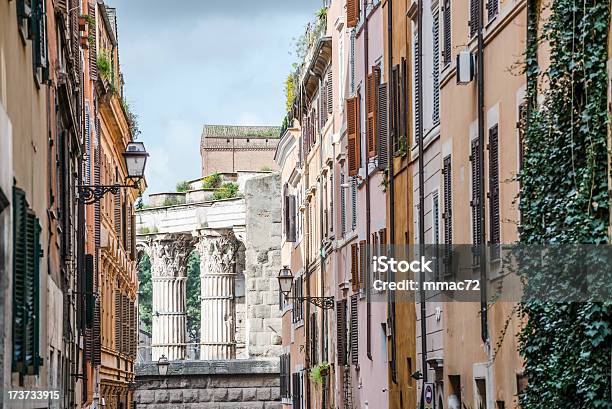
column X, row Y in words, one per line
column 232, row 148
column 56, row 125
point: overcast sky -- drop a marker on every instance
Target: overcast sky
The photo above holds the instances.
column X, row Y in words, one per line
column 191, row 62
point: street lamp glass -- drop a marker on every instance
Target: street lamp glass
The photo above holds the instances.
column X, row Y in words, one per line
column 285, row 280
column 135, row 159
column 162, row 365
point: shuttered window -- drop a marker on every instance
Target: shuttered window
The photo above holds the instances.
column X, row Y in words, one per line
column 298, row 304
column 447, row 32
column 342, row 205
column 38, row 28
column 354, row 135
column 492, row 9
column 395, row 107
column 93, row 50
column 382, row 238
column 352, row 62
column 383, row 127
column 285, row 376
column 27, row 252
column 353, row 203
column 436, row 70
column 494, row 211
column 330, row 91
column 314, row 339
column 447, row 214
column 352, row 13
column 474, row 17
column 87, row 141
column 417, row 86
column 341, row 344
column 354, row 336
column 475, row 202
column 355, row 267
column 298, row 390
column 373, row 82
column 363, row 267
column 118, row 315
column 117, row 213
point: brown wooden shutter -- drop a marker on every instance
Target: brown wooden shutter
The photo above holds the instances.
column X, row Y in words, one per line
column 383, row 127
column 474, row 17
column 341, row 331
column 354, row 139
column 355, row 266
column 448, row 201
column 93, row 50
column 292, row 232
column 354, row 330
column 362, row 263
column 352, row 13
column 494, row 211
column 330, row 91
column 117, row 319
column 372, row 110
column 96, row 335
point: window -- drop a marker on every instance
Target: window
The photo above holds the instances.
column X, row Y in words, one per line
column 298, row 305
column 285, row 379
column 383, row 127
column 363, row 264
column 298, row 389
column 494, row 211
column 342, row 205
column 476, row 193
column 290, row 218
column 448, row 213
column 314, row 339
column 455, row 391
column 435, row 215
column 352, row 62
column 447, row 32
column 436, row 69
column 354, row 335
column 492, row 9
column 474, row 17
column 341, row 338
column 355, row 267
column 352, row 13
column 417, row 86
column 26, row 266
column 373, row 81
column 353, row 203
column 353, row 117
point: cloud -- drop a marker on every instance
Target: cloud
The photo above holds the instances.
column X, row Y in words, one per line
column 221, row 62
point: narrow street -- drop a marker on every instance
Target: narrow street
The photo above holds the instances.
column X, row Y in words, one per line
column 322, row 204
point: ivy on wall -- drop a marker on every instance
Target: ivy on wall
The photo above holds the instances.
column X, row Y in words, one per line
column 564, row 200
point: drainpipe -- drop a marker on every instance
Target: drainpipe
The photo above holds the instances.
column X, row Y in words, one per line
column 306, row 269
column 419, row 90
column 321, row 214
column 391, row 190
column 484, row 331
column 367, row 195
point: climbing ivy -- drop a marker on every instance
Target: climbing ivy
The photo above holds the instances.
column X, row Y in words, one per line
column 564, row 200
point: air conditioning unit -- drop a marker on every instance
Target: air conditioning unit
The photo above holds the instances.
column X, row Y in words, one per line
column 465, row 67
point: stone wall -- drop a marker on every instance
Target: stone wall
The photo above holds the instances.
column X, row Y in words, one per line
column 236, row 384
column 263, row 261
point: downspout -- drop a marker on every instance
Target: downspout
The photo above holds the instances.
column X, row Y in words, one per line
column 321, row 214
column 391, row 187
column 367, row 194
column 306, row 264
column 419, row 90
column 484, row 330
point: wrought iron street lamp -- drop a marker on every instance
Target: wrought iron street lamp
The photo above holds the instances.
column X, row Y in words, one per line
column 162, row 365
column 285, row 284
column 135, row 157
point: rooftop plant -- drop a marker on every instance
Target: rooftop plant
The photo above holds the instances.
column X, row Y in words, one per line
column 227, row 190
column 182, row 187
column 211, row 181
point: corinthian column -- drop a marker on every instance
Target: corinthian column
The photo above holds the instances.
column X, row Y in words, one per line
column 217, row 279
column 169, row 255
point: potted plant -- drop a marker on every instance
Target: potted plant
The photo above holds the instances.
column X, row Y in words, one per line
column 318, row 372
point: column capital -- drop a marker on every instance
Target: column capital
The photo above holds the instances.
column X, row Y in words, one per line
column 169, row 254
column 217, row 249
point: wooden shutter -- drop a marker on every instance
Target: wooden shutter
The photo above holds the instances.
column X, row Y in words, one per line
column 330, row 91
column 342, row 205
column 87, row 141
column 447, row 31
column 383, row 127
column 354, row 330
column 97, row 342
column 394, row 107
column 20, row 256
column 436, row 69
column 341, row 343
column 33, row 252
column 292, row 231
column 417, row 86
column 353, row 202
column 476, row 208
column 97, row 181
column 371, row 104
column 117, row 214
column 362, row 263
column 448, row 201
column 494, row 211
column 352, row 13
column 117, row 319
column 355, row 266
column 125, row 322
column 354, row 139
column 89, row 290
column 474, row 17
column 61, row 6
column 492, row 9
column 93, row 50
column 314, row 339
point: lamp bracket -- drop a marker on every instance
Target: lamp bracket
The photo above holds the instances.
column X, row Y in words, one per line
column 89, row 194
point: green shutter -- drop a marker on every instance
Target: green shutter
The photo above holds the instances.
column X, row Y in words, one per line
column 33, row 360
column 20, row 218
